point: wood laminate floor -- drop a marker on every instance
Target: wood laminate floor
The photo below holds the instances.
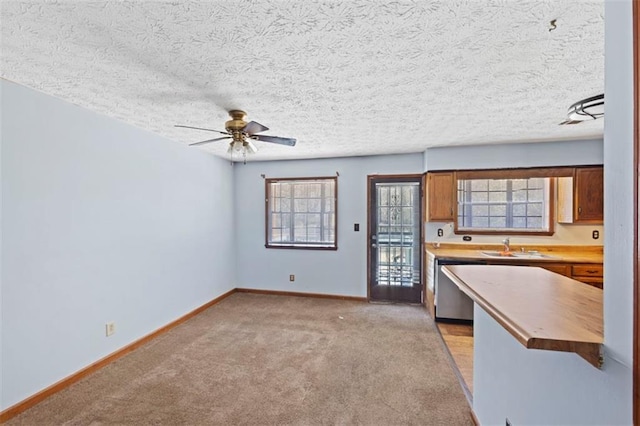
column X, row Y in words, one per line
column 459, row 341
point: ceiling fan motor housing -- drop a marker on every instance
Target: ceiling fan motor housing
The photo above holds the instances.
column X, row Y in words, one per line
column 237, row 123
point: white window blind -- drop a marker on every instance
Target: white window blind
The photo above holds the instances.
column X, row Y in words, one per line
column 301, row 213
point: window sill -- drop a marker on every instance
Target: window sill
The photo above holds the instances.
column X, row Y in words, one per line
column 300, row 247
column 500, row 232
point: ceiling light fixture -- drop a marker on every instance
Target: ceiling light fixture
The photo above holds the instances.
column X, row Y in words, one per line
column 587, row 109
column 242, row 147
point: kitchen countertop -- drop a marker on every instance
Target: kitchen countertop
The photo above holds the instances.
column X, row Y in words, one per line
column 557, row 253
column 542, row 310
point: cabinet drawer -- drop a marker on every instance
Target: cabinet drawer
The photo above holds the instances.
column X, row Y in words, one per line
column 594, row 281
column 587, row 271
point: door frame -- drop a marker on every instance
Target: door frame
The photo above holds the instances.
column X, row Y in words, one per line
column 369, row 206
column 636, row 208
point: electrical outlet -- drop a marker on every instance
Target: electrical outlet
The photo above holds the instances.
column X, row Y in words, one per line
column 356, row 227
column 595, row 234
column 110, row 328
column 292, row 277
column 440, row 232
column 466, row 238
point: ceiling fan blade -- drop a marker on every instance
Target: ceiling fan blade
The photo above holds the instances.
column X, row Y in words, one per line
column 253, row 127
column 210, row 140
column 567, row 122
column 275, row 139
column 201, row 128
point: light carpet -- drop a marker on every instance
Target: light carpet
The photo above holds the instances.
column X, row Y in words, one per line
column 262, row 359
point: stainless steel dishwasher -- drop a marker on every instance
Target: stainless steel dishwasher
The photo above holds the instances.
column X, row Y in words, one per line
column 451, row 303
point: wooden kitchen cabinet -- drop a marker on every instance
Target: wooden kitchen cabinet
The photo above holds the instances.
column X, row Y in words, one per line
column 588, row 273
column 440, row 196
column 589, row 191
column 430, row 281
column 558, row 268
column 581, row 197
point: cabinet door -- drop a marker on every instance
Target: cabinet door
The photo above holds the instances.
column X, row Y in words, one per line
column 562, row 269
column 564, row 188
column 589, row 189
column 430, row 271
column 440, row 196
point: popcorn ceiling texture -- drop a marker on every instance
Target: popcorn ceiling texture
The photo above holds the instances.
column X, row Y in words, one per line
column 346, row 78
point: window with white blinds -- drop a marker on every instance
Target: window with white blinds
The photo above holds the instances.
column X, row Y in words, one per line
column 521, row 205
column 302, row 213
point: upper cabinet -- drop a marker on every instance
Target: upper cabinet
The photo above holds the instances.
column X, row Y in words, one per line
column 579, row 192
column 440, row 196
column 580, row 198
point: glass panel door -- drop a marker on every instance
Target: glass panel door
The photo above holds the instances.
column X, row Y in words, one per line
column 395, row 239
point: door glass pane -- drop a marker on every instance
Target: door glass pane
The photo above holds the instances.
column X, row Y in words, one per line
column 398, row 234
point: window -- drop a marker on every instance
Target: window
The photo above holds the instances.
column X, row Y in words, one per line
column 506, row 205
column 302, row 213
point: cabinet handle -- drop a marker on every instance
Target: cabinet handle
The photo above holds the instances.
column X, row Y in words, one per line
column 591, row 271
column 579, row 209
column 451, row 211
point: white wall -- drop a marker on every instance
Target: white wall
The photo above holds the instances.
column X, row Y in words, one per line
column 542, row 154
column 341, row 272
column 541, row 388
column 100, row 222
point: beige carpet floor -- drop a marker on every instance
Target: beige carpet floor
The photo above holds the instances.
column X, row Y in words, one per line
column 266, row 360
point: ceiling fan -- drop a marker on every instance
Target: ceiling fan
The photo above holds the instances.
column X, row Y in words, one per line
column 242, row 135
column 586, row 109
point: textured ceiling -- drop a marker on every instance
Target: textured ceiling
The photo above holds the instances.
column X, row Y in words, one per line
column 345, row 78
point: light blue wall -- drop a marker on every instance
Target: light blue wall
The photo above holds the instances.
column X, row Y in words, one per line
column 618, row 180
column 538, row 387
column 341, row 272
column 499, row 156
column 101, row 222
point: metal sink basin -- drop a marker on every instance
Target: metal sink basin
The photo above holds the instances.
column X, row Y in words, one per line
column 517, row 255
column 499, row 253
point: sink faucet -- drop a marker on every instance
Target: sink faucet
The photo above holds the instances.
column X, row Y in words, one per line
column 506, row 245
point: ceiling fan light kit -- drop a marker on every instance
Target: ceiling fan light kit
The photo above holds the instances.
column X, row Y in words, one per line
column 244, row 148
column 242, row 134
column 587, row 109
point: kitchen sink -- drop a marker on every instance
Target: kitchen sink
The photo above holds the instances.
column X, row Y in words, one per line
column 518, row 255
column 499, row 253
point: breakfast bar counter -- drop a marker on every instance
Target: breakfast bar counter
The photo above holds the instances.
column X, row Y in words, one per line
column 540, row 309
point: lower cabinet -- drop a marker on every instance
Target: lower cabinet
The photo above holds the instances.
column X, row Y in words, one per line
column 588, row 273
column 430, row 296
column 558, row 268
